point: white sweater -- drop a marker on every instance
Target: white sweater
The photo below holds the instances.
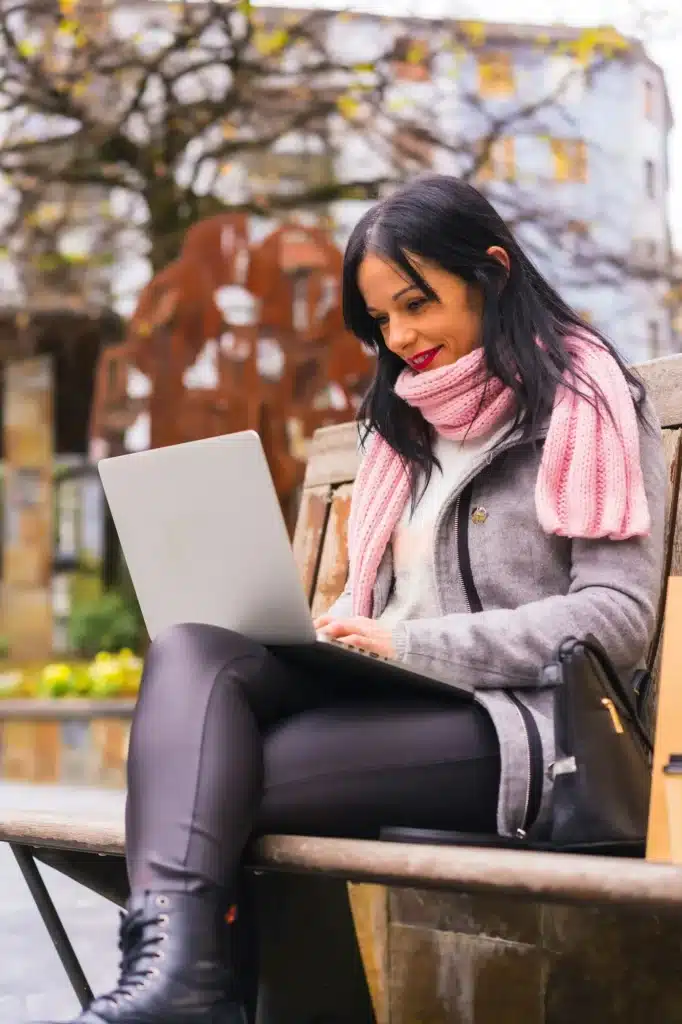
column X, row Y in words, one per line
column 414, row 586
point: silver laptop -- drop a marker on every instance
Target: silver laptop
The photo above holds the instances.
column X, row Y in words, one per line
column 205, row 541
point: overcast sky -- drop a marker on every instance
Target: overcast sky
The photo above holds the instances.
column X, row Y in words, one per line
column 664, row 45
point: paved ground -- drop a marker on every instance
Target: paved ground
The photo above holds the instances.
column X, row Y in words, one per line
column 33, row 985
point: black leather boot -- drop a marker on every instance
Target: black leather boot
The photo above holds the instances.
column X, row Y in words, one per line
column 175, row 966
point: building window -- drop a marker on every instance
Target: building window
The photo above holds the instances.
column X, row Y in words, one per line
column 649, row 99
column 495, row 74
column 650, row 178
column 498, row 161
column 570, row 159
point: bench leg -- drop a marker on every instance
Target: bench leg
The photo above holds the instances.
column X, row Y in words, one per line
column 52, row 921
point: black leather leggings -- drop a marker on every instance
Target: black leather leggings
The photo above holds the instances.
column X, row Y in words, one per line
column 228, row 741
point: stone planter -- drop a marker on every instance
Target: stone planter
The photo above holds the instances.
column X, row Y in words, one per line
column 71, row 742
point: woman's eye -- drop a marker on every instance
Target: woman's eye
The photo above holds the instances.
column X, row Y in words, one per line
column 416, row 304
column 381, row 321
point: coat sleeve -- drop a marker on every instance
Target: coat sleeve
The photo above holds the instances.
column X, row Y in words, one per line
column 613, row 594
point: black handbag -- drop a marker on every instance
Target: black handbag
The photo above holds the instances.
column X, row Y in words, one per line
column 602, row 771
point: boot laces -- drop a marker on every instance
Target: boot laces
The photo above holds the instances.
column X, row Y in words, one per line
column 140, row 935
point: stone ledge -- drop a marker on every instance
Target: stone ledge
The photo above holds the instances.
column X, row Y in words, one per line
column 67, row 708
column 65, row 741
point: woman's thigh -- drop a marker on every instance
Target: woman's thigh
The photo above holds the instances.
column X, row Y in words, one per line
column 186, row 662
column 354, row 768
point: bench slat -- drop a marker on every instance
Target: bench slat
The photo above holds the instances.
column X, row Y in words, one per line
column 671, row 447
column 331, row 578
column 333, row 456
column 550, row 877
column 663, row 380
column 310, row 528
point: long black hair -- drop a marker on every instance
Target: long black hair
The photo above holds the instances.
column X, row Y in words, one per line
column 450, row 224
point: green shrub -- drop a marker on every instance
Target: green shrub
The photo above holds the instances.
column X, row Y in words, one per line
column 107, row 623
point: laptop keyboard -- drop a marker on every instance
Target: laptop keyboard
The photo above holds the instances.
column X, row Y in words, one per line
column 358, row 650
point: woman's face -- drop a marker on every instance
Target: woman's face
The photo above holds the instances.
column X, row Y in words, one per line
column 426, row 333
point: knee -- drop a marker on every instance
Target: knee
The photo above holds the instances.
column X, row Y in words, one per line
column 194, row 650
column 176, row 641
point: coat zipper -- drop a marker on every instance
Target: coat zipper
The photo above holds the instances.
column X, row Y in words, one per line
column 534, row 797
column 535, row 762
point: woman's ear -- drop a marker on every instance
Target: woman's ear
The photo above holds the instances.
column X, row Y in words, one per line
column 500, row 254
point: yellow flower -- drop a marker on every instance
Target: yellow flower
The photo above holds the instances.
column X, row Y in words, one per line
column 56, row 679
column 56, row 673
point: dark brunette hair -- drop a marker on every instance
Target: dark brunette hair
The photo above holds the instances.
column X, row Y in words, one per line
column 449, row 223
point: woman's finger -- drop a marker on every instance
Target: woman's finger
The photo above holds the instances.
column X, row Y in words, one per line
column 365, row 643
column 339, row 628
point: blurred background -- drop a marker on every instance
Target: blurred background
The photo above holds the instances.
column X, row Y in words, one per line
column 177, row 182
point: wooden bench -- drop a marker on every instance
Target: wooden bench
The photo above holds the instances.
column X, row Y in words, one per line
column 358, row 931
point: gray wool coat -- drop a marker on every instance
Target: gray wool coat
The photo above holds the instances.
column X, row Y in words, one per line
column 509, row 594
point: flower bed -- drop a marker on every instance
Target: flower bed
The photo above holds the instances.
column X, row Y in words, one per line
column 106, row 677
column 68, row 722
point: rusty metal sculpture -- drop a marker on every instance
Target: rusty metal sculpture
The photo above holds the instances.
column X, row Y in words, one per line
column 235, row 334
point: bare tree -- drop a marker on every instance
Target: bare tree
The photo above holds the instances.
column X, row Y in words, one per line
column 123, row 124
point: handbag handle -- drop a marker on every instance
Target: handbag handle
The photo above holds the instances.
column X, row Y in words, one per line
column 592, row 645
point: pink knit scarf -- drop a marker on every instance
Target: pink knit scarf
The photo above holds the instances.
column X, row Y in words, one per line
column 590, row 479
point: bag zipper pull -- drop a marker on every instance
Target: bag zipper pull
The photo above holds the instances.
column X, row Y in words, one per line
column 611, row 708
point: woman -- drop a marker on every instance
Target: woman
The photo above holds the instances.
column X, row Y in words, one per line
column 511, row 493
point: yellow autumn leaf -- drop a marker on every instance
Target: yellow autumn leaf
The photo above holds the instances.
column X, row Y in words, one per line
column 474, row 31
column 348, row 106
column 362, row 68
column 244, row 7
column 268, row 43
column 79, row 89
column 592, row 40
column 69, row 27
column 27, row 48
column 416, row 54
column 67, row 7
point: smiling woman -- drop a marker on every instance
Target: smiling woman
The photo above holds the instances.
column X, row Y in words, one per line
column 510, row 494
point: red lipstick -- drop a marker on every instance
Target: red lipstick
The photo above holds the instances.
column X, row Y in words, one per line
column 424, row 359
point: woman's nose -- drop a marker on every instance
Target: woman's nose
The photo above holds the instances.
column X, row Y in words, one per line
column 401, row 337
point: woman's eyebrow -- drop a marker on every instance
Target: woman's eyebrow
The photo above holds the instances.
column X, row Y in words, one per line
column 394, row 298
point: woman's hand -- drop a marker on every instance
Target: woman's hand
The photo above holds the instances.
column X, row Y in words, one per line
column 357, row 631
